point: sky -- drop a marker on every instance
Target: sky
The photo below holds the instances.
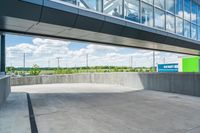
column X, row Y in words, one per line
column 45, row 53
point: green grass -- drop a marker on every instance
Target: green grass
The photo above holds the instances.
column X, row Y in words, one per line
column 97, row 69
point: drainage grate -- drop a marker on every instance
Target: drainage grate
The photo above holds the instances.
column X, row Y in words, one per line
column 31, row 116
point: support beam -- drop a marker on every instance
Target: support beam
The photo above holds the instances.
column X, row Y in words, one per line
column 2, row 55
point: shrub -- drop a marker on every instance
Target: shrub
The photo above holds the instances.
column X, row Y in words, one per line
column 35, row 70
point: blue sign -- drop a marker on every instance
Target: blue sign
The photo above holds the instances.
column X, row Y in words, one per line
column 168, row 67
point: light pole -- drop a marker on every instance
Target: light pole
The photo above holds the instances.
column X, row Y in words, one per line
column 131, row 61
column 87, row 60
column 154, row 61
column 24, row 60
column 58, row 61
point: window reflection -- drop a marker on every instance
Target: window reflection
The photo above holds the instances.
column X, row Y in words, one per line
column 186, row 29
column 113, row 7
column 199, row 33
column 131, row 10
column 179, row 26
column 170, row 22
column 179, row 16
column 159, row 3
column 170, row 5
column 179, row 8
column 187, row 9
column 147, row 14
column 90, row 4
column 159, row 18
column 70, row 1
column 193, row 31
column 194, row 13
column 198, row 16
column 148, row 1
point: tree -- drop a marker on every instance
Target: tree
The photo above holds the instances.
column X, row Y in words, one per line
column 10, row 70
column 35, row 70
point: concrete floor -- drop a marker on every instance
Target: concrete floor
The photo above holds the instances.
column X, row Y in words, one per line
column 14, row 115
column 89, row 108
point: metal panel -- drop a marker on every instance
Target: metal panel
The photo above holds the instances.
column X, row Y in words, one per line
column 69, row 22
column 18, row 15
column 57, row 17
column 89, row 22
column 20, row 9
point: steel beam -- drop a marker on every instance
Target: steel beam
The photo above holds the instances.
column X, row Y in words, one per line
column 2, row 55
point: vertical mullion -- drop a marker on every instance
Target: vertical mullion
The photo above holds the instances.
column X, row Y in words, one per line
column 140, row 13
column 2, row 54
column 102, row 6
column 123, row 6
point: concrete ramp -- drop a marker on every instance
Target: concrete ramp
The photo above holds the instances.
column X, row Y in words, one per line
column 98, row 108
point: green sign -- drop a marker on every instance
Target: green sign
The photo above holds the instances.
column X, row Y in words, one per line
column 191, row 64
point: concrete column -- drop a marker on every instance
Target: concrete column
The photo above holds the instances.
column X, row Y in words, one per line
column 2, row 55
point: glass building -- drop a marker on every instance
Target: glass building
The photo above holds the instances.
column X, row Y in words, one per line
column 181, row 17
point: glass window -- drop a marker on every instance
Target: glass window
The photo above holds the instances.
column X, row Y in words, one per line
column 179, row 26
column 148, row 1
column 170, row 5
column 194, row 31
column 70, row 1
column 170, row 22
column 194, row 13
column 198, row 16
column 179, row 8
column 147, row 14
column 159, row 18
column 90, row 4
column 186, row 29
column 113, row 7
column 131, row 10
column 159, row 3
column 199, row 33
column 187, row 9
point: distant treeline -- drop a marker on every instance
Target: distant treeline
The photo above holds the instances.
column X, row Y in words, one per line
column 36, row 70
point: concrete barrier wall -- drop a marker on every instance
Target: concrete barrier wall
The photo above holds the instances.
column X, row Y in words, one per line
column 182, row 83
column 4, row 88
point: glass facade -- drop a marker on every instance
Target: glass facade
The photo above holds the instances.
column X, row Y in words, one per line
column 194, row 13
column 181, row 17
column 186, row 29
column 159, row 20
column 179, row 26
column 170, row 5
column 148, row 1
column 170, row 22
column 159, row 3
column 179, row 8
column 198, row 16
column 131, row 10
column 90, row 4
column 147, row 15
column 187, row 9
column 193, row 31
column 113, row 7
column 199, row 33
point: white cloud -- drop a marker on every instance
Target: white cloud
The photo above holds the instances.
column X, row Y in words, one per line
column 44, row 52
